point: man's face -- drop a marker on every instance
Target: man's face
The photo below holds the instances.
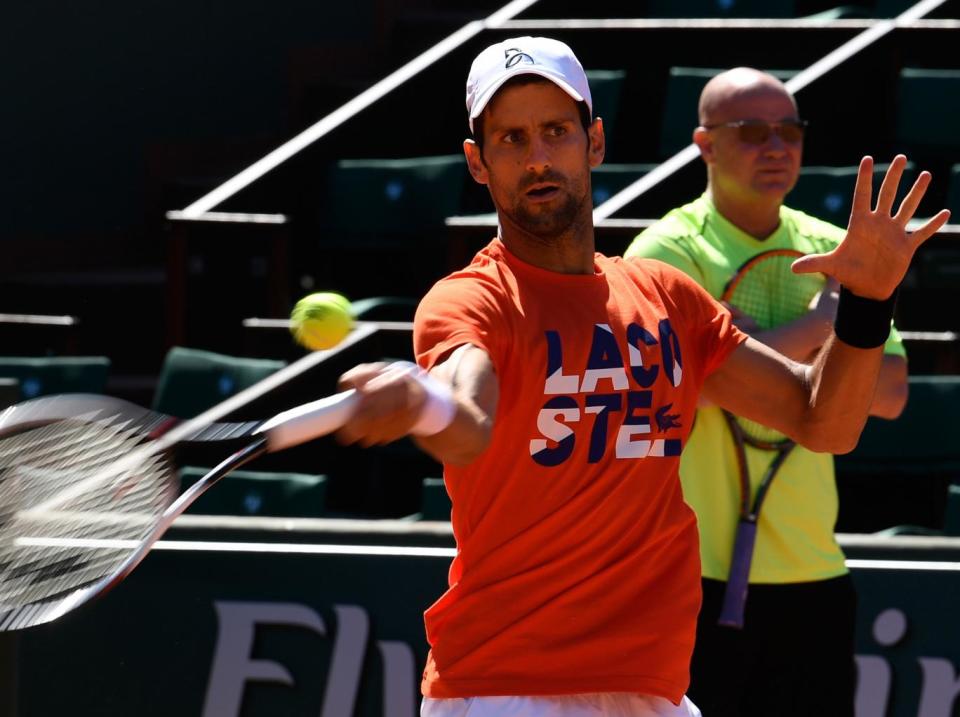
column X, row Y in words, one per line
column 746, row 170
column 535, row 159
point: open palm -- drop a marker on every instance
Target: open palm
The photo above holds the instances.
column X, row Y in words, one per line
column 874, row 256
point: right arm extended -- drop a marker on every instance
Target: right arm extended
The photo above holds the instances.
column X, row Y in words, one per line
column 391, row 403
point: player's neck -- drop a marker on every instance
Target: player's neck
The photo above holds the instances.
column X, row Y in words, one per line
column 571, row 252
column 758, row 218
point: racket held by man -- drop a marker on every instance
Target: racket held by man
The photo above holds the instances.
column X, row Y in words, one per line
column 765, row 289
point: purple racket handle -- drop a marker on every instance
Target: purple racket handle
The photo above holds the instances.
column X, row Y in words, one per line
column 735, row 595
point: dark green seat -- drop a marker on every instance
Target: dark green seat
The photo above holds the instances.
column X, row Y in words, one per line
column 373, row 202
column 608, row 179
column 384, row 308
column 435, row 503
column 951, row 518
column 953, row 192
column 606, row 87
column 928, row 104
column 679, row 118
column 891, row 8
column 48, row 375
column 721, row 8
column 900, row 471
column 282, row 495
column 9, row 391
column 827, row 192
column 924, row 437
column 192, row 380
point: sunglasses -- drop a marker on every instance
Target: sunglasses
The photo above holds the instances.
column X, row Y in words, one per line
column 759, row 132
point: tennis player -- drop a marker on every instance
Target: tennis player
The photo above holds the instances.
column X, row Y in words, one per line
column 558, row 387
column 751, row 140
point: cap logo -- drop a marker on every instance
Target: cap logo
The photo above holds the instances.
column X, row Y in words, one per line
column 515, row 56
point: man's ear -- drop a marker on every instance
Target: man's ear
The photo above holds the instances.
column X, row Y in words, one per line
column 478, row 170
column 598, row 143
column 701, row 138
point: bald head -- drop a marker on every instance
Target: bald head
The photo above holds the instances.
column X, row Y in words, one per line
column 725, row 96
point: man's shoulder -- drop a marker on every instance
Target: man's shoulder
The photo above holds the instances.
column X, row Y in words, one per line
column 653, row 271
column 483, row 275
column 683, row 223
column 678, row 231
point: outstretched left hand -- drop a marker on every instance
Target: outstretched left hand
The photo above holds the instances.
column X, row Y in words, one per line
column 874, row 256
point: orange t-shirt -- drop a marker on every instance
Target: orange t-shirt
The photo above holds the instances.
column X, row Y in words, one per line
column 577, row 565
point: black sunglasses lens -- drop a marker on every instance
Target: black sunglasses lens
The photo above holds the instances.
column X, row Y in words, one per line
column 754, row 133
column 791, row 132
column 759, row 132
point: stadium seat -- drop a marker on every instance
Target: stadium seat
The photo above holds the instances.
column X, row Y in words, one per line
column 951, row 517
column 192, row 381
column 9, row 391
column 721, row 8
column 679, row 118
column 891, row 8
column 827, row 192
column 953, row 192
column 282, row 495
column 608, row 179
column 605, row 88
column 435, row 503
column 899, row 472
column 919, row 128
column 924, row 434
column 56, row 374
column 373, row 202
column 384, row 308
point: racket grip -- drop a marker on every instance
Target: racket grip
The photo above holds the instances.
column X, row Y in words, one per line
column 309, row 421
column 735, row 595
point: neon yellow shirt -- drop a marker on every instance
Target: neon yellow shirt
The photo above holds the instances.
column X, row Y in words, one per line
column 795, row 538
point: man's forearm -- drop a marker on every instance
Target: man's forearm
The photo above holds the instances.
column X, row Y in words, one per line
column 843, row 380
column 800, row 339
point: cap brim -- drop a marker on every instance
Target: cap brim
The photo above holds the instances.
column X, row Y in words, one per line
column 488, row 94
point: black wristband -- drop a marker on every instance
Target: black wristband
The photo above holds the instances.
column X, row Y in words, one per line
column 863, row 323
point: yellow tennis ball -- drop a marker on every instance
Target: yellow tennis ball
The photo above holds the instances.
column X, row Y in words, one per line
column 321, row 321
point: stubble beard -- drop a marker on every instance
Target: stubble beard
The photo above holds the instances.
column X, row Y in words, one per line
column 549, row 224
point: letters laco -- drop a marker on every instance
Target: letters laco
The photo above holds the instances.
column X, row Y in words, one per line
column 232, row 666
column 630, row 402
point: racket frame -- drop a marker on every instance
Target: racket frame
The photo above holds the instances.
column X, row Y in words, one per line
column 289, row 428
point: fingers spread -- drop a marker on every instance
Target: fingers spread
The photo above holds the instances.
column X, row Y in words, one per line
column 891, row 181
column 864, row 187
column 931, row 227
column 910, row 202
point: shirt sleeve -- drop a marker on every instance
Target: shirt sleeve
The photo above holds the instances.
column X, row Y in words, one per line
column 454, row 312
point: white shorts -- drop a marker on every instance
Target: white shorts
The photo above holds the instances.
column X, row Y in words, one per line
column 606, row 704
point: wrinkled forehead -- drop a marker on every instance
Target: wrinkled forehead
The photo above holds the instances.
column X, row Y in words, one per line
column 754, row 100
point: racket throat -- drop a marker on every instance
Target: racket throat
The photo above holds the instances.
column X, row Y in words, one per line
column 240, row 458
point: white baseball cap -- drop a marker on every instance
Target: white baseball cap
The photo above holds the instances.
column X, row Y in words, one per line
column 542, row 56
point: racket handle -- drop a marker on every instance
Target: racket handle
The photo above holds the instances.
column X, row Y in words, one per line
column 735, row 595
column 309, row 421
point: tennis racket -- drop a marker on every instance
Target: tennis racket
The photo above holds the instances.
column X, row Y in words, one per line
column 88, row 484
column 765, row 289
